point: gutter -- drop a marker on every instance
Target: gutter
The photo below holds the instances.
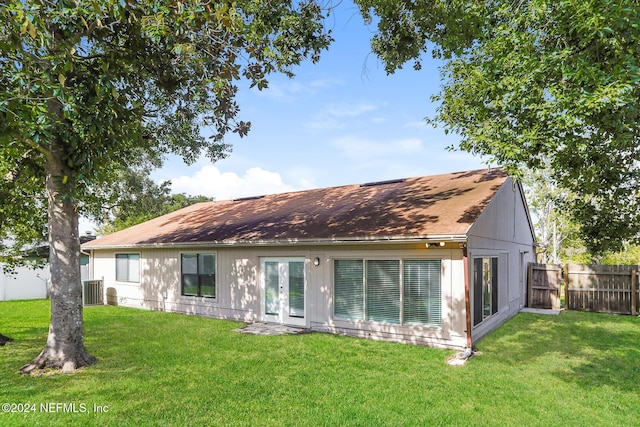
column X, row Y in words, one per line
column 454, row 238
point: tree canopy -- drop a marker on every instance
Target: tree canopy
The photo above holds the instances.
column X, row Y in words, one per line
column 90, row 88
column 535, row 83
column 556, row 233
column 140, row 200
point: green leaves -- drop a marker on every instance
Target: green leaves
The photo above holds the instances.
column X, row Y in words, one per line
column 116, row 82
column 137, row 199
column 534, row 83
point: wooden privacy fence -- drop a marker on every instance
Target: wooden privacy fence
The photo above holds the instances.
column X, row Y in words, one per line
column 599, row 288
column 544, row 281
column 602, row 288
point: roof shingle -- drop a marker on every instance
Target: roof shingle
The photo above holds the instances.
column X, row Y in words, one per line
column 445, row 204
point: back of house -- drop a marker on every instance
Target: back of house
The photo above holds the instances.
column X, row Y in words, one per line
column 399, row 260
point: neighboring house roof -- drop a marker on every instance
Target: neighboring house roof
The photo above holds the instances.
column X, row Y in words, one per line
column 412, row 208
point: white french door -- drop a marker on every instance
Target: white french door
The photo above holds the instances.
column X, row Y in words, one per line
column 283, row 285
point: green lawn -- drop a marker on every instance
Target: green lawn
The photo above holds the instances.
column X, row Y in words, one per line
column 169, row 369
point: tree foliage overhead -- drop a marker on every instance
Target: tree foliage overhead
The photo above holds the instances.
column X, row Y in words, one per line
column 121, row 80
column 526, row 82
column 141, row 199
column 88, row 89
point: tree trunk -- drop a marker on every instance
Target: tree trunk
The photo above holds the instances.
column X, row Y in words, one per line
column 65, row 343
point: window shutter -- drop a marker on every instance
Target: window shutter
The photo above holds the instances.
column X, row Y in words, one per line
column 422, row 294
column 383, row 291
column 348, row 289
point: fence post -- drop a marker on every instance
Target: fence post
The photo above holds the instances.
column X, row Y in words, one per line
column 566, row 286
column 634, row 287
column 557, row 285
column 529, row 284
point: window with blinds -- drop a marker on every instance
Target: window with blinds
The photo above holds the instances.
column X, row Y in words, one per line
column 128, row 267
column 421, row 292
column 388, row 291
column 272, row 288
column 348, row 279
column 383, row 291
column 296, row 289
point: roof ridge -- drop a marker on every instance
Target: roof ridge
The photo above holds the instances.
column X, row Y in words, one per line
column 489, row 171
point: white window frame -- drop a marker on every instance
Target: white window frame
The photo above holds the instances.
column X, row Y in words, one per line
column 401, row 261
column 128, row 256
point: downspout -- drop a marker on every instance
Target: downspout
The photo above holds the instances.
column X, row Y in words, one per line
column 90, row 261
column 467, row 299
column 461, row 357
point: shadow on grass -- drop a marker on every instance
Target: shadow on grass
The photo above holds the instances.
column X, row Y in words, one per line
column 587, row 349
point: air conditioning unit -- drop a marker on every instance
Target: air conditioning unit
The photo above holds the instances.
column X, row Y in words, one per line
column 92, row 292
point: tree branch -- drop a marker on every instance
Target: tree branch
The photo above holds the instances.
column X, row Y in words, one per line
column 34, row 145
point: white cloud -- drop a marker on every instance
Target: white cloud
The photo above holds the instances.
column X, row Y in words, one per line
column 359, row 148
column 416, row 124
column 286, row 90
column 329, row 117
column 325, row 83
column 325, row 124
column 210, row 181
column 347, row 109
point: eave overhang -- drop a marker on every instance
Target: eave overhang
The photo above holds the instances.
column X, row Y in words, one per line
column 452, row 238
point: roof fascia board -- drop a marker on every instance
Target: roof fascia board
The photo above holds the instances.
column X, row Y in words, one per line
column 296, row 242
column 526, row 209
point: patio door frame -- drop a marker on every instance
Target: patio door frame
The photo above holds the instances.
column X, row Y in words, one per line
column 284, row 314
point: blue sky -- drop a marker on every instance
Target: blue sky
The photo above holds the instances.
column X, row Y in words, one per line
column 340, row 121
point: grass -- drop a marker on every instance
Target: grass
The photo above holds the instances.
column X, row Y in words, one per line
column 169, row 369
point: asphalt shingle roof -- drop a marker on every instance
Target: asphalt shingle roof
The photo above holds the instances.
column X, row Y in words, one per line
column 445, row 204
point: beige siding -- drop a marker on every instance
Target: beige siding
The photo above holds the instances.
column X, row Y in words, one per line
column 239, row 294
column 452, row 331
column 504, row 230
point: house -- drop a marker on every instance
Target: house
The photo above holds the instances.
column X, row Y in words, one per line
column 437, row 260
